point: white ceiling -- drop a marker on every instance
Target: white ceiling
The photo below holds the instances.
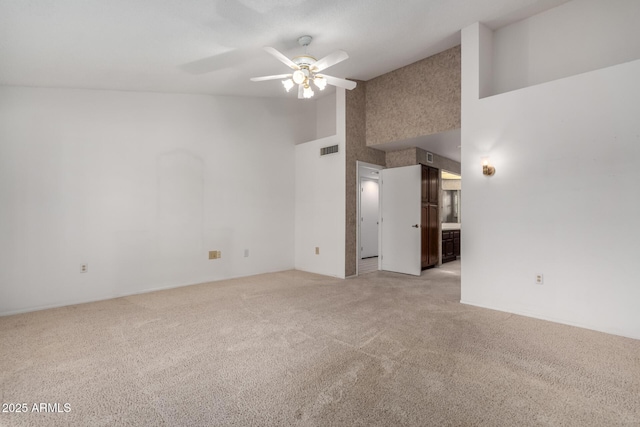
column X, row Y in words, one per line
column 213, row 46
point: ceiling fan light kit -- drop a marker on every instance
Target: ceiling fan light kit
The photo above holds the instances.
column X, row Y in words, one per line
column 288, row 84
column 300, row 76
column 306, row 69
column 320, row 82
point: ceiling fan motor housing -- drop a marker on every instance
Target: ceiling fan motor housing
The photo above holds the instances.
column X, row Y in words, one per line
column 304, row 73
column 304, row 60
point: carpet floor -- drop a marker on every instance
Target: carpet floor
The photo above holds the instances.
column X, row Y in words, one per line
column 298, row 349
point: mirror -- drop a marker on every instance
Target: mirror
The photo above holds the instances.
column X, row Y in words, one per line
column 451, row 193
column 450, row 206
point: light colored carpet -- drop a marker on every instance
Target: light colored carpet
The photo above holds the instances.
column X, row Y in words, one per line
column 294, row 348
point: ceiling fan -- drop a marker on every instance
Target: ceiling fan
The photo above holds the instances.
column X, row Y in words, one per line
column 307, row 69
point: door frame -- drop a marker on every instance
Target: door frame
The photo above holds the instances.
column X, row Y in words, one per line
column 442, row 171
column 360, row 168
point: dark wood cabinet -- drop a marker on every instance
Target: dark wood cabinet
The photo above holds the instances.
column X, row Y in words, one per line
column 434, row 223
column 424, row 235
column 450, row 245
column 425, row 184
column 430, row 216
column 434, row 186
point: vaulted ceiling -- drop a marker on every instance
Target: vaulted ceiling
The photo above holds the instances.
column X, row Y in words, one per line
column 214, row 46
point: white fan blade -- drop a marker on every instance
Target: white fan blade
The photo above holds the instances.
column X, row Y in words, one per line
column 280, row 57
column 276, row 77
column 329, row 60
column 336, row 81
column 300, row 92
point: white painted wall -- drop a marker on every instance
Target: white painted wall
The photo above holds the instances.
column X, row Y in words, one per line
column 320, row 201
column 140, row 186
column 582, row 131
column 326, row 115
column 576, row 37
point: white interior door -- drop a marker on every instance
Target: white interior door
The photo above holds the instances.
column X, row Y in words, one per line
column 400, row 219
column 369, row 203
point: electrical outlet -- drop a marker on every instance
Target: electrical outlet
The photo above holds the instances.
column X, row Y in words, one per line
column 84, row 268
column 539, row 279
column 246, row 253
column 317, row 250
column 215, row 254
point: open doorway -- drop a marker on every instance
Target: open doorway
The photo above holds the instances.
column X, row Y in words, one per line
column 451, row 216
column 368, row 217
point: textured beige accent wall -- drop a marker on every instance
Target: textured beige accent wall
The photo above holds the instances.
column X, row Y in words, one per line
column 356, row 150
column 406, row 157
column 439, row 162
column 415, row 156
column 452, row 184
column 422, row 98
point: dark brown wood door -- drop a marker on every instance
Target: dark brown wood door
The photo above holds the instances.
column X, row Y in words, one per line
column 433, row 185
column 433, row 235
column 447, row 249
column 424, row 236
column 425, row 184
column 430, row 227
column 456, row 243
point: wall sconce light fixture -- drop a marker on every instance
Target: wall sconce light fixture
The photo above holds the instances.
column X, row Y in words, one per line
column 487, row 169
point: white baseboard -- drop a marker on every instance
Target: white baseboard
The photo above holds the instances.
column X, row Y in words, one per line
column 553, row 319
column 127, row 294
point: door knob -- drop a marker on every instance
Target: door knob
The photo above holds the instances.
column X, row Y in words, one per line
column 416, row 226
